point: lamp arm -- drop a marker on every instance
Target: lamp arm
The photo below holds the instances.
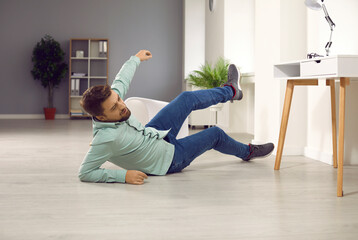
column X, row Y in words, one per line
column 328, row 18
column 329, row 43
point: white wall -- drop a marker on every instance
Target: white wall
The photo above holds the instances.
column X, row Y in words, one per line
column 194, row 35
column 214, row 32
column 280, row 35
column 239, row 30
column 293, row 47
column 239, row 33
column 230, row 34
column 267, row 53
column 345, row 41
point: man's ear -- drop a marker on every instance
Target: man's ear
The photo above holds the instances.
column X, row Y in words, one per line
column 101, row 118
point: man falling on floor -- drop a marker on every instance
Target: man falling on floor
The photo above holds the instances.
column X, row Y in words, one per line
column 153, row 149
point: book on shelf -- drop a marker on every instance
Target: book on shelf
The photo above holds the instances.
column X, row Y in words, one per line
column 102, row 48
column 75, row 87
column 105, row 47
column 75, row 74
column 76, row 112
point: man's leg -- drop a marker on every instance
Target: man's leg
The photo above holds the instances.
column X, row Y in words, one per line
column 188, row 148
column 174, row 114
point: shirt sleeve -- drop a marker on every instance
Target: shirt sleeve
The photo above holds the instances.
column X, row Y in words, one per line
column 124, row 76
column 90, row 170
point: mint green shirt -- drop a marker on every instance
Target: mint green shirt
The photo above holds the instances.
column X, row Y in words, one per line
column 126, row 144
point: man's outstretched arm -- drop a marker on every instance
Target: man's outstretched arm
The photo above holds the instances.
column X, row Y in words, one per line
column 125, row 75
column 90, row 170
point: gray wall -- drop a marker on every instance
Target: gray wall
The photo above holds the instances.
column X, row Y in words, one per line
column 130, row 25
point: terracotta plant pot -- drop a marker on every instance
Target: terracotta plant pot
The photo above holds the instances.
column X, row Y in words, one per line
column 49, row 113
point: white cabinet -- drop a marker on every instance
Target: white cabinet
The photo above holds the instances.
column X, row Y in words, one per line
column 323, row 67
column 203, row 117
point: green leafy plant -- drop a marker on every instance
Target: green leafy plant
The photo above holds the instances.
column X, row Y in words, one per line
column 210, row 76
column 49, row 66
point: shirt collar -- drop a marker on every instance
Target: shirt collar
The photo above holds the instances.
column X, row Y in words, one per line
column 97, row 124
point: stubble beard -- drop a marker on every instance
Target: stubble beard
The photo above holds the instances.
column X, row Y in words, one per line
column 125, row 118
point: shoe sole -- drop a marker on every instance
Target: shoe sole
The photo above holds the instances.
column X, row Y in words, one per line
column 232, row 74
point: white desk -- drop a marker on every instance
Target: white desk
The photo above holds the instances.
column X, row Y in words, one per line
column 342, row 68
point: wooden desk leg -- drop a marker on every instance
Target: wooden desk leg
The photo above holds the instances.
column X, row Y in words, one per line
column 342, row 105
column 331, row 83
column 284, row 122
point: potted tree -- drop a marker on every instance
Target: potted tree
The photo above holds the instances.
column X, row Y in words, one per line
column 49, row 68
column 210, row 77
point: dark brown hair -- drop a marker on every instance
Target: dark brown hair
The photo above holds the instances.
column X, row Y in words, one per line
column 93, row 98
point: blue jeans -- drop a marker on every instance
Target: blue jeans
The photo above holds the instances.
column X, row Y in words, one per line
column 187, row 149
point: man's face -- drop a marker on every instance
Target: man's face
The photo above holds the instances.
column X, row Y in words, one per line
column 114, row 109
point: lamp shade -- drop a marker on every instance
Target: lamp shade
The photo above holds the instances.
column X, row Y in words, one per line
column 313, row 4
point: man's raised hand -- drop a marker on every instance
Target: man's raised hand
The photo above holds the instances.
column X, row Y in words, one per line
column 135, row 177
column 144, row 55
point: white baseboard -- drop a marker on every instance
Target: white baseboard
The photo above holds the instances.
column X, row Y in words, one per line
column 287, row 150
column 290, row 151
column 318, row 155
column 31, row 116
column 257, row 142
column 309, row 152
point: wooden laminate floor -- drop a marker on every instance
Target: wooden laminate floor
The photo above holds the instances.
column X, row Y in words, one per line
column 217, row 197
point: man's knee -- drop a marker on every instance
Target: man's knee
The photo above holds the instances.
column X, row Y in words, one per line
column 217, row 130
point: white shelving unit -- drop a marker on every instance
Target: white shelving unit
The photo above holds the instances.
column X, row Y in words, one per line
column 88, row 57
